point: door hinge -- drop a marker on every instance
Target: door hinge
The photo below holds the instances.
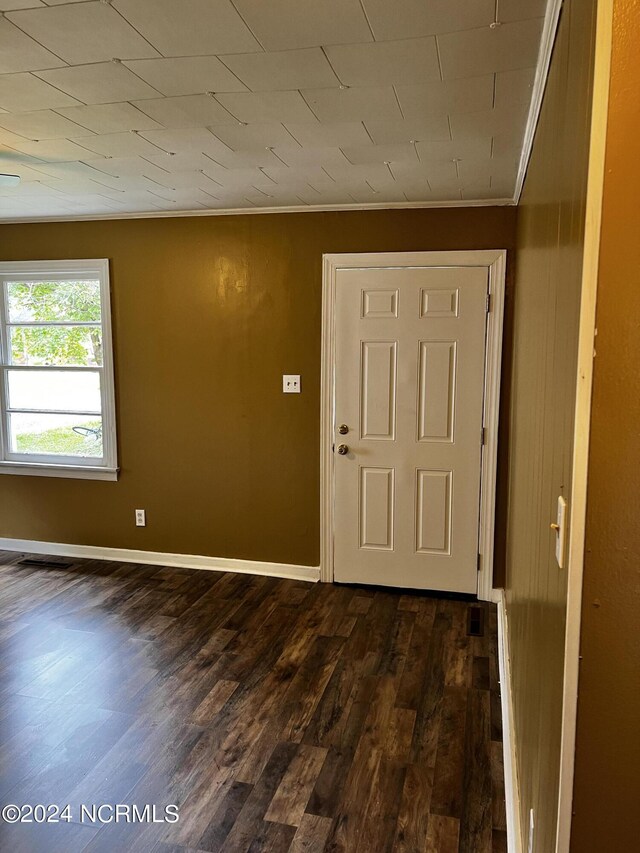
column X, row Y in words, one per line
column 488, row 302
column 479, row 560
column 483, row 436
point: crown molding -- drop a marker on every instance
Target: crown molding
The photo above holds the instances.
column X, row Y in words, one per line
column 549, row 30
column 244, row 211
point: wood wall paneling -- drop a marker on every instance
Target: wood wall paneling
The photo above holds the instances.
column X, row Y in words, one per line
column 546, row 313
column 607, row 769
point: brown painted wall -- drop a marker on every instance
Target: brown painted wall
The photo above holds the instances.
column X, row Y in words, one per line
column 546, row 317
column 607, row 775
column 208, row 313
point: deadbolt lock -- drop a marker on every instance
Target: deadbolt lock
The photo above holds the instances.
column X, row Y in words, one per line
column 343, row 449
column 343, row 429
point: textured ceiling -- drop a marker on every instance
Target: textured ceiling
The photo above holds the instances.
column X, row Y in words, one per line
column 134, row 106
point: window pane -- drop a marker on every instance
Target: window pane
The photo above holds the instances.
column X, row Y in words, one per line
column 53, row 301
column 74, row 345
column 59, row 435
column 54, row 389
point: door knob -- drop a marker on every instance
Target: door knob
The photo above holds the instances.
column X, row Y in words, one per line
column 343, row 429
column 343, row 449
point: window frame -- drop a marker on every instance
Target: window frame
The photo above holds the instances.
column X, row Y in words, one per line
column 87, row 468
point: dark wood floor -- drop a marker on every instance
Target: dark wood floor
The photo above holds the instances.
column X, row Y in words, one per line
column 277, row 715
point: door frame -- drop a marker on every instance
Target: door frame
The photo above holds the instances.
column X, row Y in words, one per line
column 495, row 261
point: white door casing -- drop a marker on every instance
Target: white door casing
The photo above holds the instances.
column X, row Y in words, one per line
column 406, row 352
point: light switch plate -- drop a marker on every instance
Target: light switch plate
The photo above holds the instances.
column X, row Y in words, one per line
column 561, row 531
column 291, row 383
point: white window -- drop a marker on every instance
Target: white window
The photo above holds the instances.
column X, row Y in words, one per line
column 56, row 379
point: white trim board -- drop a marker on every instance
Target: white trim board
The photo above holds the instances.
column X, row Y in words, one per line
column 547, row 41
column 582, row 417
column 244, row 211
column 511, row 784
column 161, row 558
column 495, row 261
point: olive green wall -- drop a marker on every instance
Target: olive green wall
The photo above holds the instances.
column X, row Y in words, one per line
column 208, row 313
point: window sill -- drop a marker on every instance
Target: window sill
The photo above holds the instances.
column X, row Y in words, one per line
column 77, row 472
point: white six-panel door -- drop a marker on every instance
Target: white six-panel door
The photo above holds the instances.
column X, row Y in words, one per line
column 409, row 387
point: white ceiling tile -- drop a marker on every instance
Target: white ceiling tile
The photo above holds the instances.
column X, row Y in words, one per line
column 73, row 170
column 82, row 187
column 190, row 161
column 186, row 140
column 326, row 135
column 243, row 136
column 473, row 52
column 266, row 106
column 253, row 129
column 411, row 173
column 188, row 180
column 297, row 175
column 239, row 178
column 369, row 195
column 256, row 157
column 61, row 2
column 388, row 132
column 11, row 5
column 120, row 145
column 446, row 98
column 311, row 156
column 109, row 118
column 475, row 147
column 288, row 24
column 101, row 83
column 89, row 32
column 187, row 75
column 57, row 149
column 185, row 111
column 287, row 69
column 521, row 10
column 279, row 199
column 24, row 93
column 382, row 63
column 329, row 196
column 348, row 105
column 412, row 18
column 189, row 27
column 486, row 122
column 364, row 154
column 352, row 176
column 419, row 191
column 508, row 144
column 131, row 168
column 43, row 124
column 25, row 172
column 19, row 52
column 514, row 87
column 30, row 189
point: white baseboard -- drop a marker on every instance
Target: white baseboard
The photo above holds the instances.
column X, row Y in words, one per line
column 511, row 786
column 159, row 558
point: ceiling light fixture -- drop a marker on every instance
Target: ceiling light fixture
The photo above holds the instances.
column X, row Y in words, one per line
column 9, row 180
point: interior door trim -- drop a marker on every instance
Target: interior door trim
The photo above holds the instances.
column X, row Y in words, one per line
column 495, row 261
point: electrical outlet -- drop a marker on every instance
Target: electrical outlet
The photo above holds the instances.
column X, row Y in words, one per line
column 141, row 518
column 532, row 827
column 291, row 383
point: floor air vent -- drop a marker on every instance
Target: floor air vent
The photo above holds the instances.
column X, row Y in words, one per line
column 475, row 622
column 44, row 563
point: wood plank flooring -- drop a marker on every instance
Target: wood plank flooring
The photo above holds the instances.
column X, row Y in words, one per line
column 277, row 715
